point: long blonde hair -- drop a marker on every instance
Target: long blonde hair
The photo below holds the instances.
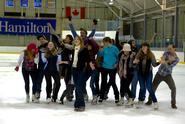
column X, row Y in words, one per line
column 52, row 52
column 81, row 41
column 30, row 55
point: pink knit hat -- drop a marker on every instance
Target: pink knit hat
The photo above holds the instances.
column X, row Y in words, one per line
column 32, row 47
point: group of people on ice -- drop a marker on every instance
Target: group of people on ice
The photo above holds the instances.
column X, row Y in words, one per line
column 78, row 58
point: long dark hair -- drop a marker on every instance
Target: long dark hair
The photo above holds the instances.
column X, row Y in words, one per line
column 70, row 37
column 141, row 54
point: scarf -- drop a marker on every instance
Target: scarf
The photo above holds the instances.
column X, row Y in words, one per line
column 123, row 66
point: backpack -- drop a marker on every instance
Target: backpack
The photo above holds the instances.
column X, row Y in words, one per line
column 29, row 64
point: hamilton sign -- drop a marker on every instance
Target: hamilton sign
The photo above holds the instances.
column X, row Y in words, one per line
column 25, row 26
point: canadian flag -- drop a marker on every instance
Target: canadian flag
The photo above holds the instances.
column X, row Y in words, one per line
column 75, row 12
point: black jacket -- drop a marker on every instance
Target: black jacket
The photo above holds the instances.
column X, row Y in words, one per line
column 65, row 53
column 83, row 58
column 41, row 48
column 51, row 65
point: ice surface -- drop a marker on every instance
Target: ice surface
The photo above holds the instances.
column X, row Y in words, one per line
column 14, row 110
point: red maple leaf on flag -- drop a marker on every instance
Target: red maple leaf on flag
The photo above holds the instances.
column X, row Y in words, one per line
column 75, row 12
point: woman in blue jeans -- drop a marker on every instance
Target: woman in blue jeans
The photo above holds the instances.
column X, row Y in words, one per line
column 79, row 61
column 145, row 60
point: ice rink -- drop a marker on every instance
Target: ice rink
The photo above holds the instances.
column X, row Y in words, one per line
column 14, row 110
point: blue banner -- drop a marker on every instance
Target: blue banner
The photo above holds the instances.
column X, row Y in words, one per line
column 24, row 3
column 26, row 26
column 9, row 3
column 37, row 3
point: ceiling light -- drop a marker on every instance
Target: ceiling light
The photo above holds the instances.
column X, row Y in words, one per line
column 111, row 2
column 157, row 2
column 162, row 5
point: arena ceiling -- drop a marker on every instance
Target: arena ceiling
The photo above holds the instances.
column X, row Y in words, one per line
column 138, row 6
column 132, row 7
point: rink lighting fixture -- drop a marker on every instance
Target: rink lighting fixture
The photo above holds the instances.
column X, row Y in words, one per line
column 163, row 6
column 111, row 2
column 157, row 2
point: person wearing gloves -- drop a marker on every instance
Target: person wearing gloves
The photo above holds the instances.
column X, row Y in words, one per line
column 51, row 70
column 83, row 33
column 88, row 41
column 80, row 60
column 28, row 59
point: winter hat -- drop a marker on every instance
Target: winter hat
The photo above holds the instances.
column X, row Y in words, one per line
column 32, row 47
column 126, row 47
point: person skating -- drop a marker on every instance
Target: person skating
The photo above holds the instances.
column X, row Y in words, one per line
column 168, row 61
column 86, row 39
column 125, row 72
column 41, row 64
column 145, row 60
column 91, row 71
column 80, row 60
column 28, row 59
column 51, row 70
column 65, row 67
column 109, row 67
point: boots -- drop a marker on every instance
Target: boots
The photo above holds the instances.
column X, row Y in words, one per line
column 94, row 100
column 149, row 102
column 27, row 98
column 130, row 102
column 34, row 98
column 156, row 106
column 173, row 106
column 139, row 104
column 86, row 97
column 121, row 102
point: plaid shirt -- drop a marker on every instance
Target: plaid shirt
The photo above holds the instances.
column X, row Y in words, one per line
column 171, row 61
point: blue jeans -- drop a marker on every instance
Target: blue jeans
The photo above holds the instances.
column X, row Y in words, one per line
column 78, row 76
column 146, row 83
column 134, row 83
column 94, row 82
